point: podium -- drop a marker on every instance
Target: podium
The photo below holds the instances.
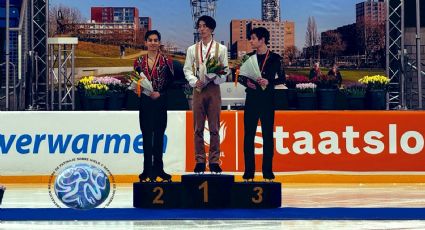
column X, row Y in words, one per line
column 257, row 195
column 157, row 195
column 207, row 191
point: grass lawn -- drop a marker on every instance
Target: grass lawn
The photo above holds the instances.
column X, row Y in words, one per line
column 90, row 49
column 95, row 55
column 93, row 61
column 102, row 62
column 347, row 75
column 90, row 54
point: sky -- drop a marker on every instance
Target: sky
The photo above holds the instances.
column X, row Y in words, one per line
column 173, row 18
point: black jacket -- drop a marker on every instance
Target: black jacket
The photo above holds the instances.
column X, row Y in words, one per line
column 273, row 71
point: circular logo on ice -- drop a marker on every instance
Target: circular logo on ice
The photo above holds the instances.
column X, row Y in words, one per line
column 82, row 186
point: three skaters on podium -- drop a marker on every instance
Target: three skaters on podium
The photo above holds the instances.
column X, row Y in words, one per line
column 207, row 101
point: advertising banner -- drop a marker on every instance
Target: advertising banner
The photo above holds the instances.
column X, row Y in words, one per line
column 362, row 141
column 36, row 143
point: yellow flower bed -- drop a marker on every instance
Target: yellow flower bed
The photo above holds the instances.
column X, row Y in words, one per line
column 86, row 80
column 375, row 82
column 92, row 89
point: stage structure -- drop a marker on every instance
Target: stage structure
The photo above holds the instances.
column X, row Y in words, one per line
column 61, row 78
column 414, row 54
column 26, row 55
column 14, row 69
column 395, row 42
column 199, row 8
column 39, row 52
column 404, row 61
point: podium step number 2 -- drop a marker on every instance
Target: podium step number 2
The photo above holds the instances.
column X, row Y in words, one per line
column 157, row 195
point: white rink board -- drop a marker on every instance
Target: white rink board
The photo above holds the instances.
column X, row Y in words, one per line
column 27, row 141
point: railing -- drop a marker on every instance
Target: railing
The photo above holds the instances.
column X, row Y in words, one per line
column 14, row 91
column 8, row 87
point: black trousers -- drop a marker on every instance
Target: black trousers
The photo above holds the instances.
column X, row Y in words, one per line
column 259, row 106
column 153, row 122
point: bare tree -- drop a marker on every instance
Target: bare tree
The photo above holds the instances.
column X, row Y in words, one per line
column 375, row 42
column 371, row 40
column 332, row 44
column 311, row 38
column 62, row 18
column 290, row 54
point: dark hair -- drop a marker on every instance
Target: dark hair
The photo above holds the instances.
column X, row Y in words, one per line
column 209, row 22
column 261, row 32
column 152, row 32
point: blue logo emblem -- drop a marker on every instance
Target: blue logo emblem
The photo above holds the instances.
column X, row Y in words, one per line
column 82, row 186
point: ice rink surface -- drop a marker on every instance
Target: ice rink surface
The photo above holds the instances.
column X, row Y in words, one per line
column 293, row 195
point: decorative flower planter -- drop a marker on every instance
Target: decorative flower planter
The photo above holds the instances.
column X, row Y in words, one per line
column 376, row 99
column 116, row 101
column 292, row 98
column 356, row 102
column 95, row 102
column 81, row 99
column 327, row 98
column 306, row 101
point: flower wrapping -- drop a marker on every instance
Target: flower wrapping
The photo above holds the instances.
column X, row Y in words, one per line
column 139, row 82
column 210, row 71
column 238, row 65
column 251, row 70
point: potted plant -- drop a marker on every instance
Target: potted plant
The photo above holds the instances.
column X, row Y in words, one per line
column 95, row 94
column 355, row 94
column 291, row 82
column 376, row 96
column 327, row 88
column 81, row 90
column 306, row 95
column 116, row 91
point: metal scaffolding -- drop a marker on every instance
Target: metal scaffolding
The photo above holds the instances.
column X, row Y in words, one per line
column 14, row 68
column 199, row 8
column 395, row 58
column 418, row 54
column 62, row 73
column 39, row 53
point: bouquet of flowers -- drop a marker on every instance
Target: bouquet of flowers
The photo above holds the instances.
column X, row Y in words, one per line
column 210, row 71
column 238, row 65
column 250, row 69
column 139, row 82
column 375, row 82
column 215, row 67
